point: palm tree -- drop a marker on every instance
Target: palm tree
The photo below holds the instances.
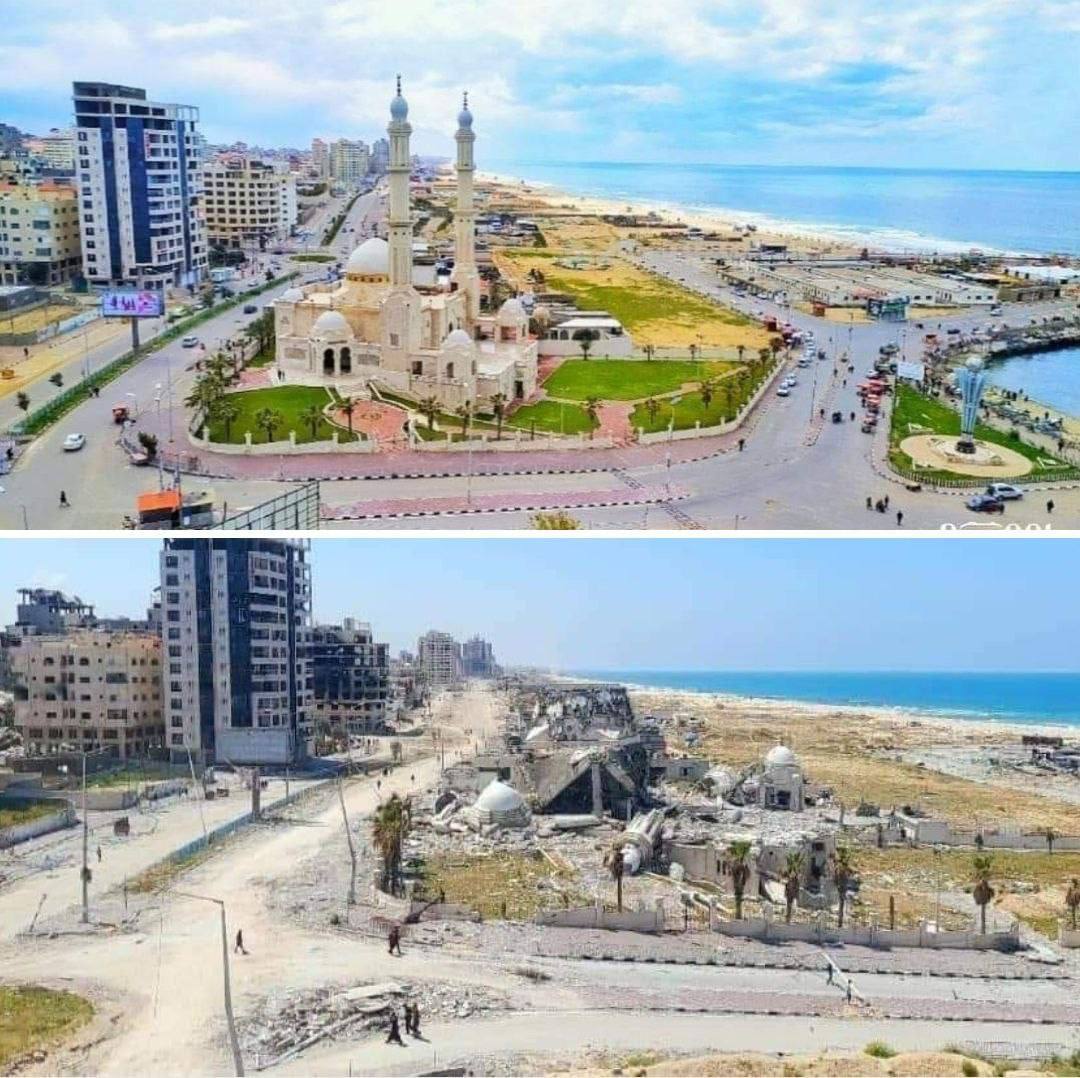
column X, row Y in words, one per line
column 793, row 870
column 616, row 865
column 269, row 419
column 429, row 407
column 348, row 406
column 389, row 830
column 225, row 411
column 585, row 338
column 650, row 351
column 205, row 393
column 982, row 892
column 843, row 872
column 312, row 416
column 708, row 388
column 498, row 406
column 1072, row 899
column 592, row 409
column 652, row 406
column 464, row 413
column 739, row 857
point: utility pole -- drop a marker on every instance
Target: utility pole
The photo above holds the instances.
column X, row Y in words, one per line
column 349, row 839
column 85, row 850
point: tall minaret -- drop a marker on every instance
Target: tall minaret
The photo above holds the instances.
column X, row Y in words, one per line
column 465, row 275
column 400, row 222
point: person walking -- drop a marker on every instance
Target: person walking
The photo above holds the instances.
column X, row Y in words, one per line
column 742, row 443
column 239, row 947
column 99, row 855
column 416, row 1019
column 394, row 1036
column 64, row 503
column 886, row 501
column 899, row 518
column 830, row 980
column 869, row 503
column 1050, row 506
column 395, row 940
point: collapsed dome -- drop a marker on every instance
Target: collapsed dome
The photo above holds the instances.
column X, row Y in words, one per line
column 499, row 798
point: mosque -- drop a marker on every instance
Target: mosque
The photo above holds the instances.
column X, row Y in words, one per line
column 378, row 325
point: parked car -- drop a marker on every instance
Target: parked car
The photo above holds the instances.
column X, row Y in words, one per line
column 783, row 391
column 74, row 442
column 985, row 503
column 190, row 341
column 250, row 308
column 1005, row 492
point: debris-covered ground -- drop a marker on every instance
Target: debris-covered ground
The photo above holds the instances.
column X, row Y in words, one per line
column 284, row 1024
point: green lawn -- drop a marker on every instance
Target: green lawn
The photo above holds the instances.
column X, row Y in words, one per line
column 913, row 409
column 655, row 299
column 32, row 1018
column 262, row 359
column 290, row 402
column 552, row 417
column 17, row 810
column 627, row 379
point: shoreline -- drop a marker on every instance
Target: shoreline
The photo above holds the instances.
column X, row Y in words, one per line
column 832, row 237
column 796, row 709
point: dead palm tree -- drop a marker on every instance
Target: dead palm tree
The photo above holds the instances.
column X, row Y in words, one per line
column 1072, row 899
column 793, row 871
column 616, row 865
column 498, row 406
column 1051, row 834
column 982, row 892
column 843, row 873
column 592, row 410
column 429, row 407
column 739, row 858
column 389, row 830
column 650, row 351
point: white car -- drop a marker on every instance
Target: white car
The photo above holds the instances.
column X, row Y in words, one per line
column 783, row 391
column 74, row 442
column 1005, row 491
column 189, row 341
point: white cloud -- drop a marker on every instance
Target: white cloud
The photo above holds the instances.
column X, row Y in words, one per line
column 221, row 26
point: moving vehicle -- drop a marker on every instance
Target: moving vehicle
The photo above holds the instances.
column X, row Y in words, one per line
column 250, row 308
column 783, row 391
column 838, row 417
column 74, row 442
column 985, row 503
column 190, row 341
column 1005, row 492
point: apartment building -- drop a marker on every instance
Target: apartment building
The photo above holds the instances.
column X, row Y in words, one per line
column 247, row 202
column 139, row 178
column 89, row 690
column 236, row 634
column 478, row 658
column 349, row 161
column 40, row 240
column 439, row 658
column 351, row 673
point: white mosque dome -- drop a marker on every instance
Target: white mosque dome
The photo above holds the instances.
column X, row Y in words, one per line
column 330, row 324
column 500, row 799
column 457, row 338
column 512, row 312
column 370, row 259
column 291, row 295
column 781, row 756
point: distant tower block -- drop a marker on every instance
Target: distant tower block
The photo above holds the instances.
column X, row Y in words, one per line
column 971, row 381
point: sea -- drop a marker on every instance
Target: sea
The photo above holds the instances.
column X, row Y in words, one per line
column 903, row 209
column 1028, row 698
column 1053, row 377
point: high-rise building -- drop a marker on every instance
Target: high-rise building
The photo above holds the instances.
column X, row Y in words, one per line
column 247, row 202
column 39, row 233
column 380, row 156
column 236, row 638
column 56, row 150
column 320, row 158
column 349, row 161
column 351, row 676
column 478, row 658
column 439, row 658
column 139, row 176
column 89, row 690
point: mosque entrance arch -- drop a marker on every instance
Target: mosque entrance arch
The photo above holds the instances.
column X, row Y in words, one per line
column 328, row 361
column 345, row 361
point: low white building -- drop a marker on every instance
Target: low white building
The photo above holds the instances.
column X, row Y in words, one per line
column 608, row 336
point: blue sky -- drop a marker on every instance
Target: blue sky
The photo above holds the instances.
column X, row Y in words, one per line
column 737, row 604
column 926, row 83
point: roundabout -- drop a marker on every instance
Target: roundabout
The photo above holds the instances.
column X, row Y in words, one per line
column 939, row 451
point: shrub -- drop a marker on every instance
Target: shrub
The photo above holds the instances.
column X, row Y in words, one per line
column 968, row 1069
column 879, row 1050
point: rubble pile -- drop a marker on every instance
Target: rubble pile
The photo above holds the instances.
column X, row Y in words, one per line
column 283, row 1025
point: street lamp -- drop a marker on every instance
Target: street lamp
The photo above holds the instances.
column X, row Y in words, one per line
column 238, row 1059
column 160, row 475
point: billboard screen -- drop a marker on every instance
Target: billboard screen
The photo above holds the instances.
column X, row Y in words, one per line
column 132, row 304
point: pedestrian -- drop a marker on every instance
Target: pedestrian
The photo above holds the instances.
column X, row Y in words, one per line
column 886, row 501
column 407, row 1010
column 869, row 502
column 849, row 990
column 239, row 947
column 26, row 353
column 899, row 518
column 742, row 442
column 395, row 940
column 852, row 417
column 1050, row 505
column 416, row 1019
column 64, row 503
column 99, row 855
column 394, row 1036
column 830, row 973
